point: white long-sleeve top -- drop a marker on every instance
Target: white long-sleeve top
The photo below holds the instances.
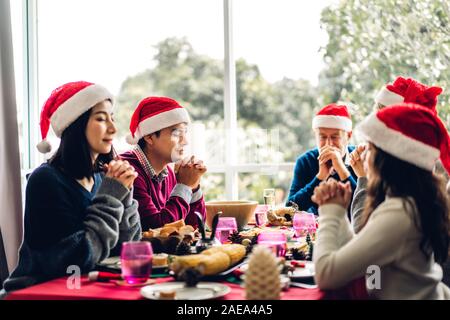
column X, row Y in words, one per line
column 389, row 240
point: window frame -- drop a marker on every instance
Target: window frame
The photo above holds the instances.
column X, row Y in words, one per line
column 231, row 168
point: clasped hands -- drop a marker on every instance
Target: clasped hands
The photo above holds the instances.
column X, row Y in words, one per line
column 330, row 158
column 122, row 171
column 189, row 171
column 333, row 192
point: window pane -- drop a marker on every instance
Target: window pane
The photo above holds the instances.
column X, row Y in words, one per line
column 252, row 185
column 276, row 75
column 138, row 48
column 213, row 186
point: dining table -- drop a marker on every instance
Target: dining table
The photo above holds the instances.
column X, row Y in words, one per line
column 58, row 289
column 62, row 288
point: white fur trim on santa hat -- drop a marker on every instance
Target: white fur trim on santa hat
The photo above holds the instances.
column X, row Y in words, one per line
column 76, row 105
column 397, row 144
column 334, row 122
column 387, row 97
column 161, row 121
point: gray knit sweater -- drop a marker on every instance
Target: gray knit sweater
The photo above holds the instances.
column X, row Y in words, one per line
column 357, row 207
column 67, row 225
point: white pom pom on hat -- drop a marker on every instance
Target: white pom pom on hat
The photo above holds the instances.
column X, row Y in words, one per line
column 65, row 104
column 410, row 132
column 131, row 140
column 44, row 146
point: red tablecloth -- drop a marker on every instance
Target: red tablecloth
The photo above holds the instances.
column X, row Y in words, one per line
column 58, row 290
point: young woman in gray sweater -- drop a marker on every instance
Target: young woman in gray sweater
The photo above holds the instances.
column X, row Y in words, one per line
column 78, row 206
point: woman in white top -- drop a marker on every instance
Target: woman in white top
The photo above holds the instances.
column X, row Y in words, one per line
column 405, row 232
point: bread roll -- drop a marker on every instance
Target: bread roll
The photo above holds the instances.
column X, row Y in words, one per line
column 214, row 263
column 235, row 251
column 176, row 224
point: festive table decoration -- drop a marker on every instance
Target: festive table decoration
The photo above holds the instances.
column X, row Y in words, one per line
column 172, row 237
column 303, row 251
column 262, row 278
column 235, row 237
column 281, row 216
column 183, row 249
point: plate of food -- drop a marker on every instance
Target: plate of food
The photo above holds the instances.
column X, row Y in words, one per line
column 174, row 238
column 179, row 291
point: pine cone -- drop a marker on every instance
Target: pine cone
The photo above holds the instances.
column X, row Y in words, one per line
column 253, row 242
column 262, row 278
column 183, row 249
column 235, row 237
column 191, row 276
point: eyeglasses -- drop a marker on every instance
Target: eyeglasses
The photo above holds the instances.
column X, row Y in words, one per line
column 178, row 133
column 332, row 138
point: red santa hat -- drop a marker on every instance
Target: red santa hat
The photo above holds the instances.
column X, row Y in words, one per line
column 65, row 104
column 333, row 116
column 408, row 91
column 410, row 132
column 153, row 114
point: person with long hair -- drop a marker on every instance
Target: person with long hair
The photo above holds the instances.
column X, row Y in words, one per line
column 402, row 90
column 78, row 206
column 405, row 229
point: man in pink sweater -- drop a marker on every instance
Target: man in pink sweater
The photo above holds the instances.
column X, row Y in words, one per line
column 158, row 129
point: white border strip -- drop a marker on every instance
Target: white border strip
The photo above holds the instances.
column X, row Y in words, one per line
column 397, row 144
column 161, row 121
column 335, row 122
column 388, row 98
column 78, row 104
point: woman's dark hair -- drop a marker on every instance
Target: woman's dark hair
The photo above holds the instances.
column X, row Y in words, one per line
column 74, row 154
column 397, row 178
column 142, row 143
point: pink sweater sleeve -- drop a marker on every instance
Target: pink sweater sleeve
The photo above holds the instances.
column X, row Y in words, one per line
column 175, row 208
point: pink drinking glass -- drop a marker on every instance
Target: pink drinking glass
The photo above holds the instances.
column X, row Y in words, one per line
column 136, row 261
column 275, row 241
column 261, row 215
column 304, row 223
column 225, row 227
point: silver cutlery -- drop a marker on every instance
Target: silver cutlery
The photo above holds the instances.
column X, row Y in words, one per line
column 303, row 285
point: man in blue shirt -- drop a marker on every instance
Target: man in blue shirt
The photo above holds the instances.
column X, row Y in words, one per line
column 332, row 126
